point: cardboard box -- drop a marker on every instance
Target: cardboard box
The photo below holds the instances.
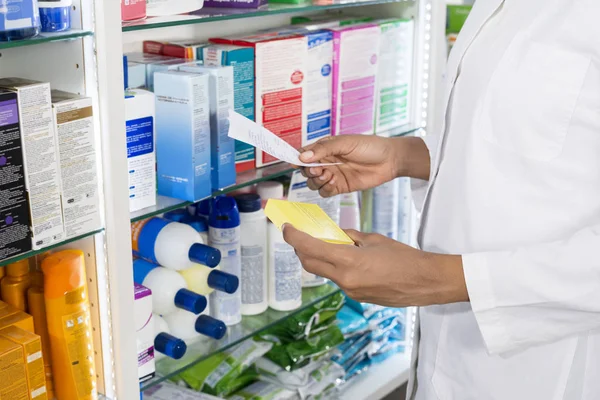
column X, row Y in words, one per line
column 74, row 125
column 280, row 71
column 183, row 135
column 32, row 358
column 184, row 49
column 242, row 61
column 13, row 375
column 235, row 3
column 136, row 75
column 141, row 156
column 14, row 204
column 355, row 64
column 154, row 63
column 144, row 327
column 40, row 155
column 10, row 316
column 394, row 75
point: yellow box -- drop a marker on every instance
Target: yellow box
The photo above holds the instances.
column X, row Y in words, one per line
column 308, row 218
column 10, row 315
column 13, row 376
column 32, row 356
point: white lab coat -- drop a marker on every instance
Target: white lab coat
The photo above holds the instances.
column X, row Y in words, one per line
column 515, row 189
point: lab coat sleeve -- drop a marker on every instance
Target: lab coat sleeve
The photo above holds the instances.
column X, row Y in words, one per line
column 419, row 186
column 536, row 294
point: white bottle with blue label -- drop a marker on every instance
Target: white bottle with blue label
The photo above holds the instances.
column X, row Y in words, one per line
column 171, row 244
column 224, row 235
column 169, row 289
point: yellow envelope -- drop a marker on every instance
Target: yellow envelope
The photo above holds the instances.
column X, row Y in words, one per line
column 308, row 218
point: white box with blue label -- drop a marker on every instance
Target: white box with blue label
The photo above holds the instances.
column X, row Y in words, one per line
column 242, row 61
column 141, row 159
column 222, row 147
column 318, row 96
column 183, row 135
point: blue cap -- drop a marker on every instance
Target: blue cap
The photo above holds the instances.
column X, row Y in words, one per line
column 169, row 345
column 210, row 327
column 203, row 207
column 125, row 73
column 224, row 213
column 198, row 223
column 248, row 202
column 141, row 269
column 205, row 255
column 190, row 301
column 179, row 215
column 223, row 282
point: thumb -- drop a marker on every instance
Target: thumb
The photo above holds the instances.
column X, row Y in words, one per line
column 325, row 147
column 358, row 237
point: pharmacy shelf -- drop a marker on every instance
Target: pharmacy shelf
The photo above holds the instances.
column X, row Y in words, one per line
column 45, row 38
column 250, row 326
column 33, row 253
column 223, row 14
column 248, row 178
column 380, row 380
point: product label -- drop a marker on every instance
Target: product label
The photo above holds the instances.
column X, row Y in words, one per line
column 386, row 210
column 355, row 70
column 18, row 14
column 76, row 328
column 288, row 273
column 77, row 156
column 13, row 378
column 318, row 97
column 280, row 81
column 140, row 157
column 225, row 306
column 35, row 370
column 15, row 237
column 253, row 258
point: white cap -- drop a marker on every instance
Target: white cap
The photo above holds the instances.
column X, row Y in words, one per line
column 270, row 190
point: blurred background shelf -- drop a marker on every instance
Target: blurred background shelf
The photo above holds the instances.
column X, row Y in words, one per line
column 45, row 38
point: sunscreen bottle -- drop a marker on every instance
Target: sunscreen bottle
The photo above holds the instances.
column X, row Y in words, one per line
column 69, row 325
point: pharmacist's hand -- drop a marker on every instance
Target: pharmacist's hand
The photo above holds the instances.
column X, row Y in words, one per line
column 382, row 271
column 366, row 162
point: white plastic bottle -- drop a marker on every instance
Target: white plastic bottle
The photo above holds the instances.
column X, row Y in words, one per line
column 204, row 281
column 198, row 223
column 166, row 344
column 285, row 273
column 350, row 211
column 270, row 190
column 169, row 289
column 162, row 8
column 190, row 327
column 253, row 241
column 386, row 209
column 224, row 235
column 171, row 244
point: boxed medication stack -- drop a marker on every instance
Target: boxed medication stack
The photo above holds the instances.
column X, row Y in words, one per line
column 394, row 75
column 74, row 125
column 183, row 135
column 222, row 147
column 280, row 71
column 13, row 375
column 355, row 64
column 136, row 75
column 14, row 204
column 39, row 152
column 12, row 316
column 141, row 158
column 317, row 100
column 145, row 332
column 242, row 61
column 31, row 346
column 154, row 63
column 173, row 49
column 315, row 22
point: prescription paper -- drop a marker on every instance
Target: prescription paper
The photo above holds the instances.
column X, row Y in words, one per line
column 247, row 131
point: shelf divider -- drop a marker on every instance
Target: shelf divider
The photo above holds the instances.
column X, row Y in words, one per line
column 46, row 38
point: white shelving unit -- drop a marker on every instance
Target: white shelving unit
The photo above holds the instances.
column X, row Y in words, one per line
column 89, row 61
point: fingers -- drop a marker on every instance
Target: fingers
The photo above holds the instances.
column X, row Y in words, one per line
column 303, row 242
column 329, row 189
column 316, row 152
column 318, row 183
column 363, row 239
column 318, row 267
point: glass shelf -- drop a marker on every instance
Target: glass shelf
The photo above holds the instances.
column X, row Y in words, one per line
column 45, row 38
column 221, row 14
column 248, row 178
column 54, row 246
column 249, row 327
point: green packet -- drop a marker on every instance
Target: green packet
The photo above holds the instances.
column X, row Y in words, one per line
column 455, row 17
column 264, row 391
column 223, row 373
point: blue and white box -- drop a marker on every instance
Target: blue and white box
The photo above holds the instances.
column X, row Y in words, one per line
column 183, row 135
column 318, row 94
column 222, row 147
column 141, row 156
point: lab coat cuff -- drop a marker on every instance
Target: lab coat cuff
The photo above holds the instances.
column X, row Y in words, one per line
column 483, row 303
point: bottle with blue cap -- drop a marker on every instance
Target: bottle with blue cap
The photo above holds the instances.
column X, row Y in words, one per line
column 224, row 235
column 204, row 281
column 171, row 244
column 198, row 223
column 165, row 343
column 190, row 327
column 169, row 289
column 253, row 244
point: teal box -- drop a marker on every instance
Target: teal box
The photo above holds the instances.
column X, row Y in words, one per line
column 183, row 135
column 242, row 61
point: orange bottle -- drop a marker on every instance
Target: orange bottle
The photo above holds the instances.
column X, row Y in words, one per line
column 2, row 273
column 69, row 326
column 37, row 309
column 15, row 284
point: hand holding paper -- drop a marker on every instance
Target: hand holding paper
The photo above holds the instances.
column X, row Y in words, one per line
column 244, row 130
